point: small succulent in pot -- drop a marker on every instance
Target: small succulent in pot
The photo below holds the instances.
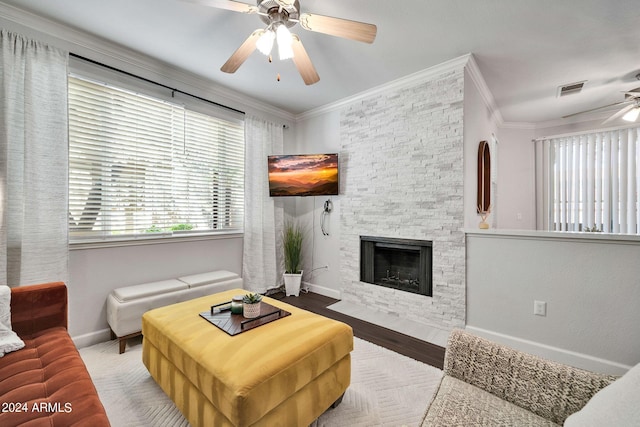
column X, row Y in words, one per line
column 251, row 305
column 252, row 298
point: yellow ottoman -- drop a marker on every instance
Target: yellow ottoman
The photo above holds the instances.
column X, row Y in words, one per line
column 285, row 373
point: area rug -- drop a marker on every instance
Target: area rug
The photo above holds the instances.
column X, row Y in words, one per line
column 387, row 389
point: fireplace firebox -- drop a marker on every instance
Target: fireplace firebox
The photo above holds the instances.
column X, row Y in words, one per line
column 403, row 264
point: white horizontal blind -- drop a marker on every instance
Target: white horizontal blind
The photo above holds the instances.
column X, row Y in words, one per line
column 593, row 182
column 142, row 167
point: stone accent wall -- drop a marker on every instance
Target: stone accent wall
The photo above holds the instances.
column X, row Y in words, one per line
column 402, row 176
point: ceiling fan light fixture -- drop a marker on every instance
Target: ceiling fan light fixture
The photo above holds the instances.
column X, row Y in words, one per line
column 279, row 16
column 265, row 42
column 632, row 115
column 285, row 42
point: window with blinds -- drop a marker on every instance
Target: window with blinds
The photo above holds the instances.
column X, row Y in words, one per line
column 592, row 182
column 144, row 167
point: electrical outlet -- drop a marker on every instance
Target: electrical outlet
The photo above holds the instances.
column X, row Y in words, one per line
column 540, row 308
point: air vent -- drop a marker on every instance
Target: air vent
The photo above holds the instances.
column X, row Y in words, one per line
column 570, row 88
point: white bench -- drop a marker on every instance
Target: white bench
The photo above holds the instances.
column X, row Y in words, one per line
column 126, row 305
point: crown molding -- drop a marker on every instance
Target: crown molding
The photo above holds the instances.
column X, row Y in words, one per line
column 480, row 83
column 596, row 117
column 518, row 125
column 101, row 50
column 410, row 80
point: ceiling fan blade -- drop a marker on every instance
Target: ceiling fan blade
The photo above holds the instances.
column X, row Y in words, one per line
column 339, row 27
column 235, row 6
column 303, row 62
column 596, row 109
column 619, row 113
column 242, row 53
column 285, row 3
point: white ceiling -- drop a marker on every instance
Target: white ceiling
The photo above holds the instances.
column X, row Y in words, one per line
column 524, row 49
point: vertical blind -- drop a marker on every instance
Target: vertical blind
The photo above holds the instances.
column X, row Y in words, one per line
column 592, row 182
column 144, row 167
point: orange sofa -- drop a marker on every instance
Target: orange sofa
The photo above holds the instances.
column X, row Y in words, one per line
column 46, row 383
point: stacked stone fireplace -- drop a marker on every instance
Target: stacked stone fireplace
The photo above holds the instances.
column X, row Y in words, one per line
column 402, row 178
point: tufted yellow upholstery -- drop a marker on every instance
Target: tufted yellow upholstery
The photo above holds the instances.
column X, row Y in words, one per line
column 287, row 372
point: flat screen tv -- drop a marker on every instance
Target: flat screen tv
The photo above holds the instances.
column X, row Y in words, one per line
column 303, row 175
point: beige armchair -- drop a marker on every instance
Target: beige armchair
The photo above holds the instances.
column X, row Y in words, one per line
column 489, row 384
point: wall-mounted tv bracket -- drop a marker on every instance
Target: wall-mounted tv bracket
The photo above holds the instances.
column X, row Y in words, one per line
column 328, row 207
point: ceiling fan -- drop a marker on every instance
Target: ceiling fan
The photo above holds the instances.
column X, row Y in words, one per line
column 629, row 112
column 280, row 15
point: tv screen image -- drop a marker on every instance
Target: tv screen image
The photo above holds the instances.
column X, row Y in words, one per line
column 303, row 175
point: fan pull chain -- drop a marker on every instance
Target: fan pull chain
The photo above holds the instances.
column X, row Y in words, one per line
column 278, row 77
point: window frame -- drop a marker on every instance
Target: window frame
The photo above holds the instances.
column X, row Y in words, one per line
column 79, row 68
column 587, row 164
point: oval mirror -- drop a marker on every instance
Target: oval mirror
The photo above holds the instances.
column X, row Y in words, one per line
column 484, row 178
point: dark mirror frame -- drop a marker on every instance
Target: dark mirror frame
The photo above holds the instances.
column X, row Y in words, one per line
column 484, row 177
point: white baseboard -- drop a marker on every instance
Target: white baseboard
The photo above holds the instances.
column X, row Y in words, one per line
column 92, row 338
column 322, row 290
column 568, row 357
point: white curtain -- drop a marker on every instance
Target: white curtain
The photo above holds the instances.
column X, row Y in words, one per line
column 263, row 215
column 33, row 162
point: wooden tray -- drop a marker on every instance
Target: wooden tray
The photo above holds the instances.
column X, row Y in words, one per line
column 235, row 324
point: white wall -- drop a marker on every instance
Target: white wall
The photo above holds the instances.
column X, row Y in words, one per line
column 513, row 202
column 93, row 273
column 591, row 287
column 319, row 133
column 516, row 179
column 479, row 125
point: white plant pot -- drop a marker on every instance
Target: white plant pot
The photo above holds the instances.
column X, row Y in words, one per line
column 251, row 311
column 292, row 283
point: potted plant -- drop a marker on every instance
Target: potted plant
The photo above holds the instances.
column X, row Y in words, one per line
column 251, row 305
column 292, row 238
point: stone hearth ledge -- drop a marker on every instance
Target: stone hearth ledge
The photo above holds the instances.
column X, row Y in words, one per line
column 408, row 327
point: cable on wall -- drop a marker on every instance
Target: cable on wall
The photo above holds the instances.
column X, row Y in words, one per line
column 326, row 210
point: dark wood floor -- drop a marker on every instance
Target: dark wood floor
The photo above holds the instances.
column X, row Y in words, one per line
column 395, row 341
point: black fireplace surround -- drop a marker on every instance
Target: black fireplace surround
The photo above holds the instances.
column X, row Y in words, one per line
column 403, row 264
